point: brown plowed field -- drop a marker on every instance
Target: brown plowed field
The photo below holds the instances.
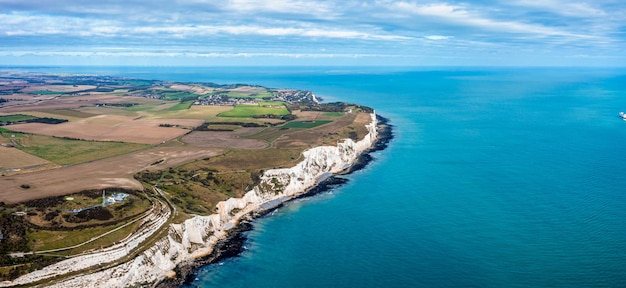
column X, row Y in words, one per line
column 113, row 128
column 107, row 173
column 13, row 158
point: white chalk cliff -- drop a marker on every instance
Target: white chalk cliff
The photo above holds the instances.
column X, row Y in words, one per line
column 197, row 236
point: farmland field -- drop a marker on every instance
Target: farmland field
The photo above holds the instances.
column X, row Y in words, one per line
column 16, row 118
column 224, row 139
column 12, row 158
column 112, row 128
column 71, row 113
column 56, row 89
column 66, row 152
column 136, row 135
column 333, row 114
column 182, row 106
column 244, row 111
column 117, row 171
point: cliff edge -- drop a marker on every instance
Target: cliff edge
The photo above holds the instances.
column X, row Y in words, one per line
column 198, row 236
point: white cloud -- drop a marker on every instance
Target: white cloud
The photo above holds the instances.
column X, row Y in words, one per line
column 271, row 27
column 317, row 9
column 436, row 37
column 460, row 15
column 31, row 25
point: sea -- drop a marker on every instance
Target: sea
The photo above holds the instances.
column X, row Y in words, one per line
column 495, row 177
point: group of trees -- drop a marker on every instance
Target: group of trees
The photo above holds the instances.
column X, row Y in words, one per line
column 46, row 120
column 13, row 233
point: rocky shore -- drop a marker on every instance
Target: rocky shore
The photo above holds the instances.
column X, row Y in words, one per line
column 201, row 240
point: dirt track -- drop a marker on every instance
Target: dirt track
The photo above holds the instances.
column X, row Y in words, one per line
column 116, row 171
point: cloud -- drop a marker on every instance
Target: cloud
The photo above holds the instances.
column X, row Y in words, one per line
column 270, row 27
column 460, row 15
column 33, row 25
column 436, row 37
column 564, row 8
column 317, row 8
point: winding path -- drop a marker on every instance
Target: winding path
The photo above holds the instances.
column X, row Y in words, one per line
column 152, row 222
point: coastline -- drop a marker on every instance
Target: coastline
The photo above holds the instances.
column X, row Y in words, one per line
column 201, row 240
column 232, row 244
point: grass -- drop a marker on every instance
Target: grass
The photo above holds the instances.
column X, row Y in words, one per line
column 254, row 94
column 268, row 134
column 177, row 95
column 67, row 152
column 198, row 186
column 305, row 124
column 43, row 92
column 245, row 111
column 271, row 103
column 16, row 118
column 48, row 239
column 333, row 114
column 249, row 160
column 181, row 106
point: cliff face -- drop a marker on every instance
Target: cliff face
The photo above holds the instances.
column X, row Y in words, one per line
column 197, row 236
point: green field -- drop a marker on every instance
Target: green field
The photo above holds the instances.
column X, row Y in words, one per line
column 249, row 95
column 16, row 118
column 177, row 95
column 305, row 124
column 245, row 111
column 50, row 239
column 182, row 106
column 43, row 92
column 333, row 114
column 66, row 152
column 271, row 103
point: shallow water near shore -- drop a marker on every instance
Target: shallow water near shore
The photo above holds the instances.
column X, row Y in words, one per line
column 495, row 178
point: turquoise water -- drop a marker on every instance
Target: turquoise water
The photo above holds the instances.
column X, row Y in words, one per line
column 496, row 178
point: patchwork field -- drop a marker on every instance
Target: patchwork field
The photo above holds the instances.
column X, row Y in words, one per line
column 247, row 110
column 12, row 159
column 55, row 102
column 57, row 88
column 111, row 172
column 113, row 128
column 167, row 144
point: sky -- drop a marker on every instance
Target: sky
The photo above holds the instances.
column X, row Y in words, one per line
column 303, row 32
